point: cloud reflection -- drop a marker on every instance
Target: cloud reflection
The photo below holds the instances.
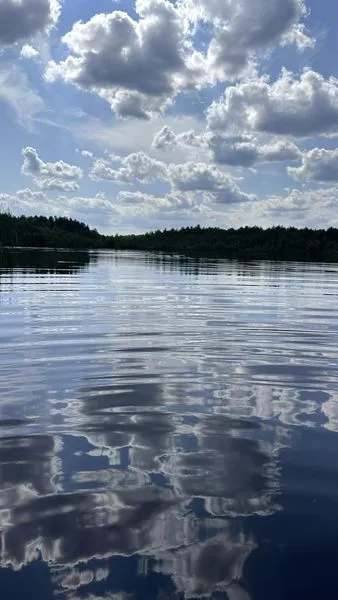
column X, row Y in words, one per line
column 215, row 566
column 143, row 419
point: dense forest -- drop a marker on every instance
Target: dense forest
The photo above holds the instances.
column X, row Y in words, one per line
column 246, row 243
column 46, row 232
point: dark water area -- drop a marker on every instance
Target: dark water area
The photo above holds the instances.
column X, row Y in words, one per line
column 168, row 428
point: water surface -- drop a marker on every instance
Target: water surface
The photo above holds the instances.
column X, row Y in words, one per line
column 168, row 428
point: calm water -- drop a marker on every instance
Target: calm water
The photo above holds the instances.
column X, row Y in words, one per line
column 168, row 428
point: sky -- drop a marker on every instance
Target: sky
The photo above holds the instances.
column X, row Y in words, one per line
column 149, row 114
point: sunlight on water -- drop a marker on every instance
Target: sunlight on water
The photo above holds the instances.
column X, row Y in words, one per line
column 168, row 428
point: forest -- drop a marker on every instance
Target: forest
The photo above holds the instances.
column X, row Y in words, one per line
column 246, row 243
column 47, row 232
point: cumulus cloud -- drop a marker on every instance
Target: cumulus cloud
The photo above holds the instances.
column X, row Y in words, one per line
column 235, row 151
column 136, row 65
column 220, row 187
column 57, row 184
column 255, row 23
column 32, row 195
column 244, row 28
column 303, row 208
column 29, row 52
column 166, row 137
column 193, row 176
column 136, row 166
column 280, row 151
column 148, row 203
column 21, row 20
column 319, row 165
column 245, row 151
column 97, row 210
column 50, row 176
column 140, row 65
column 185, row 177
column 293, row 106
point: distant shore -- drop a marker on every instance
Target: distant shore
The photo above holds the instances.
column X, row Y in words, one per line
column 247, row 243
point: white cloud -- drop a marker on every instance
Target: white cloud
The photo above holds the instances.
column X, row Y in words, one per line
column 220, row 187
column 128, row 136
column 254, row 23
column 32, row 195
column 22, row 19
column 50, row 176
column 243, row 29
column 235, row 151
column 185, row 177
column 136, row 166
column 245, row 151
column 135, row 211
column 17, row 92
column 299, row 107
column 193, row 176
column 57, row 184
column 280, row 151
column 140, row 65
column 97, row 211
column 33, row 165
column 166, row 137
column 319, row 165
column 148, row 203
column 29, row 52
column 301, row 208
column 137, row 66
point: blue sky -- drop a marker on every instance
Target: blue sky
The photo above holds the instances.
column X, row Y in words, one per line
column 132, row 116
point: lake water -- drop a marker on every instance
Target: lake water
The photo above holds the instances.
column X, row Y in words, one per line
column 168, row 428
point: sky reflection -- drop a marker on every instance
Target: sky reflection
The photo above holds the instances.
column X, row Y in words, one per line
column 155, row 441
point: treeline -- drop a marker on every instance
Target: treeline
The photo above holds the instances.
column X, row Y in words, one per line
column 246, row 243
column 52, row 232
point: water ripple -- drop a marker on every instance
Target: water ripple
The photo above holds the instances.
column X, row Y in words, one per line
column 163, row 422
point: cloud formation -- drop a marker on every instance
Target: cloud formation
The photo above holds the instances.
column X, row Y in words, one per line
column 298, row 107
column 166, row 137
column 245, row 119
column 245, row 151
column 137, row 165
column 139, row 66
column 318, row 165
column 29, row 52
column 185, row 177
column 193, row 176
column 235, row 151
column 50, row 176
column 243, row 29
column 21, row 20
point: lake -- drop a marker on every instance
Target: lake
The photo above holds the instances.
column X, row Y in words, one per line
column 168, row 428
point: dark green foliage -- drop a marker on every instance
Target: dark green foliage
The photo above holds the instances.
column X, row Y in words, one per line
column 45, row 232
column 246, row 243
